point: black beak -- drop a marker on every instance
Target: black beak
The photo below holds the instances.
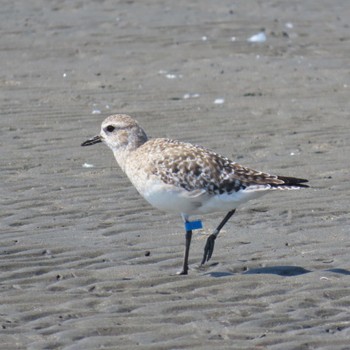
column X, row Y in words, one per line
column 92, row 141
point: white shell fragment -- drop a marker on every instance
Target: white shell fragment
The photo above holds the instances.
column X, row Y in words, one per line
column 169, row 75
column 189, row 95
column 258, row 38
column 219, row 101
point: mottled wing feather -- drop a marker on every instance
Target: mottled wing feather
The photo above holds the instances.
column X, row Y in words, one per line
column 196, row 168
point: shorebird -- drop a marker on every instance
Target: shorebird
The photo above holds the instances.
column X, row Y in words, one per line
column 183, row 178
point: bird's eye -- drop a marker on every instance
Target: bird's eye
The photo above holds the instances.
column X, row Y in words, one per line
column 110, row 128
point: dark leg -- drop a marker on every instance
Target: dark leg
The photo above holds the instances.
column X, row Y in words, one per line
column 187, row 252
column 209, row 246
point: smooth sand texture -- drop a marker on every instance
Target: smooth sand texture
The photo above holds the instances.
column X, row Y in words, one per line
column 74, row 270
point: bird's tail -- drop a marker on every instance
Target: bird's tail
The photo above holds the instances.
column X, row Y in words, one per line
column 292, row 182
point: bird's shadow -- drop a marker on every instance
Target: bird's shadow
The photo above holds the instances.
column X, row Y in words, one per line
column 285, row 271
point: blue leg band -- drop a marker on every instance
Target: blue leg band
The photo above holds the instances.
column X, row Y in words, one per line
column 193, row 225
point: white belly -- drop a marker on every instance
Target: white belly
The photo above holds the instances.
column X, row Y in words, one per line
column 172, row 199
column 177, row 200
column 226, row 202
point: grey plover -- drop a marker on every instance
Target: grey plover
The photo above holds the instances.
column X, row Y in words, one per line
column 183, row 178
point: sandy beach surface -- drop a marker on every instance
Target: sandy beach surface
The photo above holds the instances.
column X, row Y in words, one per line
column 86, row 263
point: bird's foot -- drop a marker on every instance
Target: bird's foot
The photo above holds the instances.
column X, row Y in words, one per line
column 183, row 272
column 208, row 249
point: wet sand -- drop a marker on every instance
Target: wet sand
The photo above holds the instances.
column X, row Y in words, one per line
column 74, row 268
